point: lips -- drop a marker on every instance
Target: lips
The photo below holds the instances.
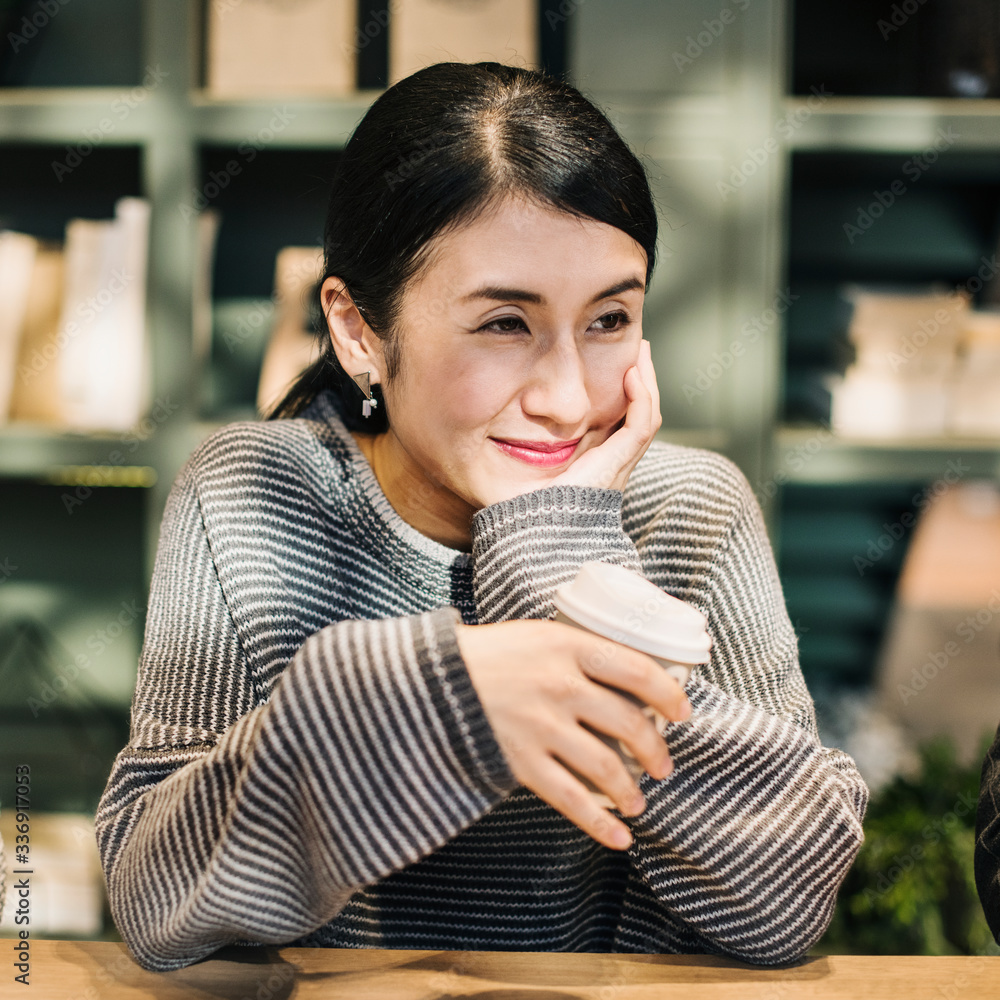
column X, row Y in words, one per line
column 539, row 453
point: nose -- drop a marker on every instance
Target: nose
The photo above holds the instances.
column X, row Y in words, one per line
column 557, row 387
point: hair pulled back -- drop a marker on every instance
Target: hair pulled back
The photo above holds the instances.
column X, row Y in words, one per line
column 433, row 152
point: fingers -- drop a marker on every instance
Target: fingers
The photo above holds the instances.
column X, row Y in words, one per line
column 550, row 781
column 612, row 713
column 643, row 414
column 648, row 374
column 619, row 666
column 590, row 757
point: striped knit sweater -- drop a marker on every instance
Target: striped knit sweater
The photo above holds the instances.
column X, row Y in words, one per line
column 309, row 762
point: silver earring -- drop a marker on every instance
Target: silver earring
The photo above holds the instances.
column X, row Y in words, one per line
column 363, row 382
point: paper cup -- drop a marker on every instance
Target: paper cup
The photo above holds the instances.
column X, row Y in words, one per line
column 625, row 607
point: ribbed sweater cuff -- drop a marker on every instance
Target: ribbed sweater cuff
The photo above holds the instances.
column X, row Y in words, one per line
column 458, row 705
column 526, row 547
column 577, row 506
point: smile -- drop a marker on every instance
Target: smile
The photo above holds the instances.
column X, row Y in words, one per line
column 537, row 453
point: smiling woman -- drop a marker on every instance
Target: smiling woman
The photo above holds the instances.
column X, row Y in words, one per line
column 513, row 379
column 356, row 722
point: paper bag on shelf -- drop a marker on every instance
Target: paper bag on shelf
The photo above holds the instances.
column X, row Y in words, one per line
column 293, row 346
column 878, row 405
column 913, row 333
column 975, row 405
column 36, row 390
column 104, row 369
column 265, row 48
column 17, row 260
column 424, row 32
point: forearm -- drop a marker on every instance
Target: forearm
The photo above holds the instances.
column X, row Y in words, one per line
column 749, row 838
column 372, row 752
column 527, row 547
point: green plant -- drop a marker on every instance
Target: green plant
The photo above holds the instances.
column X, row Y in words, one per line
column 912, row 890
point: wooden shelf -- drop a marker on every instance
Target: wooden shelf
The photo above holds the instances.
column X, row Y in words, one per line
column 313, row 122
column 67, row 115
column 814, row 455
column 891, row 124
column 32, row 451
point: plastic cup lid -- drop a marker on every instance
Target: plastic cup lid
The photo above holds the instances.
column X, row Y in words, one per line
column 627, row 608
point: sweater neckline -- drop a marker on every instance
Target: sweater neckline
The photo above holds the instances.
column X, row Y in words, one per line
column 426, row 562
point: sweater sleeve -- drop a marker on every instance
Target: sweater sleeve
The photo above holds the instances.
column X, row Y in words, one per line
column 527, row 547
column 232, row 817
column 744, row 846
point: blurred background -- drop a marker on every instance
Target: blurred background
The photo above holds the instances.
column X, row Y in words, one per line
column 825, row 311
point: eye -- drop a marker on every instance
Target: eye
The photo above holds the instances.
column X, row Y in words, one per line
column 505, row 324
column 612, row 321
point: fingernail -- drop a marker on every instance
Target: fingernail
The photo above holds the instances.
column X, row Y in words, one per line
column 685, row 710
column 621, row 838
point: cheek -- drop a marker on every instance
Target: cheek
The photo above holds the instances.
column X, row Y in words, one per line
column 466, row 392
column 606, row 382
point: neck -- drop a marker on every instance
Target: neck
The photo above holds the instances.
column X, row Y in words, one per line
column 422, row 503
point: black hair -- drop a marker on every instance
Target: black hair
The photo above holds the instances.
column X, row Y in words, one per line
column 433, row 152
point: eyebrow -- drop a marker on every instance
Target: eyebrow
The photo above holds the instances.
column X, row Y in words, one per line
column 520, row 295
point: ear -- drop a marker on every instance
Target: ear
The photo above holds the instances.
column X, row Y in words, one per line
column 357, row 347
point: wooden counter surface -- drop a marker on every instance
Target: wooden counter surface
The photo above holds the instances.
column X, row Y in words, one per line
column 101, row 970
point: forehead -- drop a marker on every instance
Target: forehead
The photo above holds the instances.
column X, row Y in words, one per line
column 533, row 245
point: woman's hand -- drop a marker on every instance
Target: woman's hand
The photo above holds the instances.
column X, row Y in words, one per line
column 539, row 681
column 610, row 464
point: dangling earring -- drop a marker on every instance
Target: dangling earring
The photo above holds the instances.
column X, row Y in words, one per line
column 363, row 382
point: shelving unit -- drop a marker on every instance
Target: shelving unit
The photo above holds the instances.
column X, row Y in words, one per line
column 724, row 257
column 892, row 124
column 825, row 458
column 838, row 493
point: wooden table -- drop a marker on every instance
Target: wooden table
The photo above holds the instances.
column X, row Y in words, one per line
column 101, row 970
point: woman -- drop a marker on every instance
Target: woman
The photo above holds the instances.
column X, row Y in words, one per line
column 354, row 724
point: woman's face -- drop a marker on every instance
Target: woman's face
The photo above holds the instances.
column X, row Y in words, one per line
column 519, row 330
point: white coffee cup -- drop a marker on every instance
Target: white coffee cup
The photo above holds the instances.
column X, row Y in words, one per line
column 623, row 606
